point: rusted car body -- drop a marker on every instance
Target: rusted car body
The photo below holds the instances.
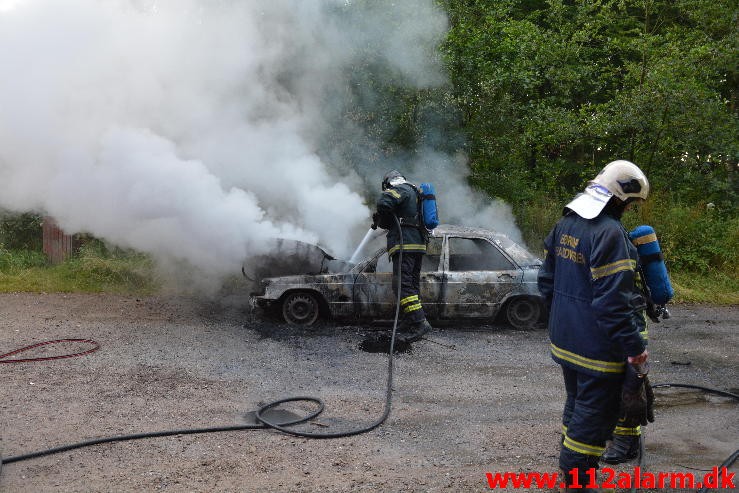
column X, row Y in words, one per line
column 467, row 273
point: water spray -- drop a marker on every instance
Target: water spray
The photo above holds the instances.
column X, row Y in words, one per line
column 371, row 234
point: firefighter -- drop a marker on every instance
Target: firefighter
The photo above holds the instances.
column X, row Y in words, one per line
column 400, row 199
column 588, row 281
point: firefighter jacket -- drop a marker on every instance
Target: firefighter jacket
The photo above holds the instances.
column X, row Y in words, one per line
column 588, row 281
column 402, row 201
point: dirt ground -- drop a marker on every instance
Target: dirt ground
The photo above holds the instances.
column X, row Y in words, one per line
column 470, row 400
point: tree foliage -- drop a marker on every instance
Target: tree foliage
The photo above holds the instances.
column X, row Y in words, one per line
column 551, row 90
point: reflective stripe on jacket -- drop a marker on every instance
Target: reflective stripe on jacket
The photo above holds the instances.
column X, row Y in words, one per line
column 588, row 279
column 402, row 200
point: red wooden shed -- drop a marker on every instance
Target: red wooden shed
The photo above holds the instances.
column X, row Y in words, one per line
column 57, row 244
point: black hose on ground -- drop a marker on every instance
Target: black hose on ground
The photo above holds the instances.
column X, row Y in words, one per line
column 137, row 436
column 697, row 387
column 727, row 464
column 265, row 423
column 732, row 458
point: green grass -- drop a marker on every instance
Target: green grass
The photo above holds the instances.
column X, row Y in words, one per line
column 91, row 271
column 715, row 288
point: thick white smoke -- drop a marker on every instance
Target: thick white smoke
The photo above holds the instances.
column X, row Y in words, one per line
column 190, row 129
column 458, row 203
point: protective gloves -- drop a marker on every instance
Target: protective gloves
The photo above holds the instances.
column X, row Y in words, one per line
column 383, row 220
column 637, row 400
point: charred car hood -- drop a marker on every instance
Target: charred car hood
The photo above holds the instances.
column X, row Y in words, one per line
column 292, row 257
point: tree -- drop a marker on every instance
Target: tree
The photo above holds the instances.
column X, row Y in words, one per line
column 552, row 90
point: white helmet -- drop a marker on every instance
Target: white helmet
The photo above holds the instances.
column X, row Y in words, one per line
column 621, row 178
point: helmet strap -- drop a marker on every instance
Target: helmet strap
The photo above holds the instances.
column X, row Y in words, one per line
column 616, row 207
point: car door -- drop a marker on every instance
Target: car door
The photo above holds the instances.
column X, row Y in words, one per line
column 479, row 276
column 373, row 290
column 432, row 278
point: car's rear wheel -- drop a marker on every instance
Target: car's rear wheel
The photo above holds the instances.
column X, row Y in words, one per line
column 300, row 308
column 523, row 313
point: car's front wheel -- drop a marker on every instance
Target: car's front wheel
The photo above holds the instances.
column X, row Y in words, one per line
column 523, row 313
column 300, row 308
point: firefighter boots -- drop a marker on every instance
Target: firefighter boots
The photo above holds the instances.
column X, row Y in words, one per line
column 419, row 330
column 623, row 448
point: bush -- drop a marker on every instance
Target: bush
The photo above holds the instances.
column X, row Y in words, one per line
column 13, row 261
column 694, row 238
column 96, row 267
column 535, row 219
column 21, row 231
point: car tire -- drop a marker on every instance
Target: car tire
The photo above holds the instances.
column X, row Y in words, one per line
column 523, row 313
column 300, row 308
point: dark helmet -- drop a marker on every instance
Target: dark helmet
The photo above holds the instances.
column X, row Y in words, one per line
column 390, row 176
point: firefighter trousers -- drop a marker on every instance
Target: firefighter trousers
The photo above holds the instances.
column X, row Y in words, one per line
column 409, row 269
column 590, row 414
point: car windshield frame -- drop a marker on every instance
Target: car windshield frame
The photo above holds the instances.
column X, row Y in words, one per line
column 362, row 265
column 517, row 252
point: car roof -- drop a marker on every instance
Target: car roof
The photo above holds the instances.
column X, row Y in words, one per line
column 447, row 229
column 454, row 230
column 518, row 252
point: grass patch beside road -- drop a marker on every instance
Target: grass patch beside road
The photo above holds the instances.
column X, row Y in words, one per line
column 715, row 288
column 93, row 270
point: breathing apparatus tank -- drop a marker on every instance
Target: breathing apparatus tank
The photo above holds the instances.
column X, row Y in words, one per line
column 429, row 211
column 653, row 265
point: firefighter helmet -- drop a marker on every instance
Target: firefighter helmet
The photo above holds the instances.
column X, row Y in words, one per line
column 621, row 179
column 392, row 178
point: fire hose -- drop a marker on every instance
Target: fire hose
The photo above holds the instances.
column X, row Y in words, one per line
column 3, row 357
column 264, row 423
column 728, row 462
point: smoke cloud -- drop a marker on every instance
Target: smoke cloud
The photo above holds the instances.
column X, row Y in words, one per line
column 200, row 130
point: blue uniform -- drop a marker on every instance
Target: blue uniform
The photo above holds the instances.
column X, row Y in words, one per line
column 588, row 281
column 402, row 201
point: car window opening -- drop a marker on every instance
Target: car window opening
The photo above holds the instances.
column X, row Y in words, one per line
column 476, row 254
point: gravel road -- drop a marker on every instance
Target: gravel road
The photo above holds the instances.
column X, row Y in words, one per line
column 470, row 400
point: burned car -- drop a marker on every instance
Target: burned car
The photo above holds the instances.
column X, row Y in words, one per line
column 467, row 273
